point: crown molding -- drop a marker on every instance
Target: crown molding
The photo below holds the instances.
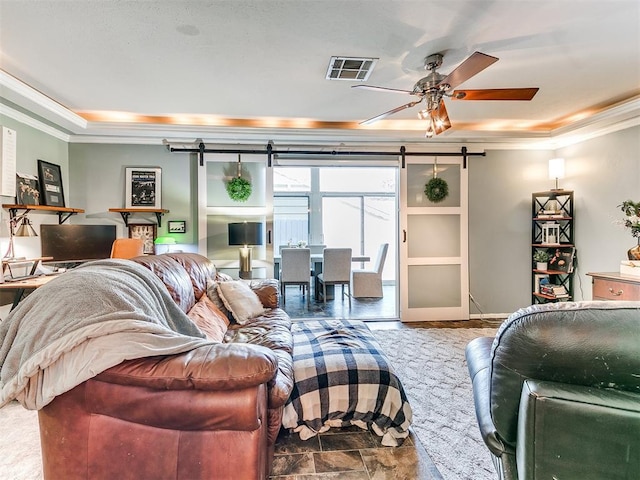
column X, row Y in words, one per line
column 618, row 117
column 28, row 97
column 32, row 122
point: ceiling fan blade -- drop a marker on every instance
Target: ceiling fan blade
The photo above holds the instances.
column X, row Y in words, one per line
column 390, row 112
column 496, row 94
column 383, row 89
column 467, row 69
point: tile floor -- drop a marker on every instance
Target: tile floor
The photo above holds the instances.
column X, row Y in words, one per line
column 350, row 454
column 361, row 308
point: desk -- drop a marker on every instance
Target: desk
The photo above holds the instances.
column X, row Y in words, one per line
column 24, row 261
column 27, row 284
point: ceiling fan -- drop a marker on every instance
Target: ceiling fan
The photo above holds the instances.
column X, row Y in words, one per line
column 435, row 86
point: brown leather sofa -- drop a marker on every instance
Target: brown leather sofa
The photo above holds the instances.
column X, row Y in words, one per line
column 211, row 413
column 557, row 391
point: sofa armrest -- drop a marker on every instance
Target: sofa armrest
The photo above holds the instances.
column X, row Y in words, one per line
column 210, row 367
column 575, row 431
column 478, row 355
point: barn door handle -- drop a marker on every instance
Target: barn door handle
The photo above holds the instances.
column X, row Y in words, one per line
column 404, row 236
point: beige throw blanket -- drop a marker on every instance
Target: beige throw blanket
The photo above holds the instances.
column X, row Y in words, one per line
column 86, row 321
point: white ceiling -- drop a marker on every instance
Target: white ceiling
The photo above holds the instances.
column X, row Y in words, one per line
column 266, row 61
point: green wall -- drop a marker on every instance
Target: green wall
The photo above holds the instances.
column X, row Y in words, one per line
column 98, row 184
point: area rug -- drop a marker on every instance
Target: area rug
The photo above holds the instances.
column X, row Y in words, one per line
column 20, row 457
column 431, row 365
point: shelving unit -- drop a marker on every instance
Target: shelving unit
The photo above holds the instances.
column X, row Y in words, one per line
column 63, row 212
column 553, row 229
column 126, row 212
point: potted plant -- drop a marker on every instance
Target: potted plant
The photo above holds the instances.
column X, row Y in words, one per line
column 631, row 221
column 541, row 257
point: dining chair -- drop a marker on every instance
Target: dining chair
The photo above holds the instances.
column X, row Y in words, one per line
column 127, row 248
column 336, row 270
column 368, row 283
column 316, row 248
column 295, row 269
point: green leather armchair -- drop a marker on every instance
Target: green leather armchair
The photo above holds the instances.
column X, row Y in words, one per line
column 557, row 391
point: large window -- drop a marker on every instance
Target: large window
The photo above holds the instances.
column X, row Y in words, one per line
column 290, row 220
column 339, row 207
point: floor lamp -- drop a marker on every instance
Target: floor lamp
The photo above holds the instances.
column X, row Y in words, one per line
column 245, row 234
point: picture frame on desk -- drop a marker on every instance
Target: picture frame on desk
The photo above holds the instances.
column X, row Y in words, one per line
column 147, row 232
column 143, row 187
column 51, row 188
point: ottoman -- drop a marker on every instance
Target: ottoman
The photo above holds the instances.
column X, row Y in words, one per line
column 342, row 378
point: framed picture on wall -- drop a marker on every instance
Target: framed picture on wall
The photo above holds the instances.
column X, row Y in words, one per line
column 143, row 188
column 51, row 191
column 145, row 231
column 177, row 226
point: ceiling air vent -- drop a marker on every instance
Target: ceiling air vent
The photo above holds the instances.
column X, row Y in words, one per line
column 350, row 68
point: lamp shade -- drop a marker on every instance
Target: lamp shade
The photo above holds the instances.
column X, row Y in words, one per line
column 556, row 168
column 25, row 229
column 245, row 233
column 165, row 241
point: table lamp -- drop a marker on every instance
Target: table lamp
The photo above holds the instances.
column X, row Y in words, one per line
column 164, row 240
column 24, row 229
column 245, row 234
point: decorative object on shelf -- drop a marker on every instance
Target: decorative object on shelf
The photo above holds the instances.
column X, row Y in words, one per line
column 145, row 231
column 51, row 191
column 177, row 226
column 245, row 234
column 238, row 188
column 631, row 221
column 143, row 188
column 436, row 189
column 164, row 240
column 541, row 257
column 550, row 233
column 556, row 170
column 27, row 189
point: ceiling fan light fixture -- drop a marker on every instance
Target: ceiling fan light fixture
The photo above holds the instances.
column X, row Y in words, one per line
column 423, row 114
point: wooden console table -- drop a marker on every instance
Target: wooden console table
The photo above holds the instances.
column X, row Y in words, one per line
column 614, row 286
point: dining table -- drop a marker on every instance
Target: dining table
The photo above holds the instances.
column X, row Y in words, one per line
column 316, row 264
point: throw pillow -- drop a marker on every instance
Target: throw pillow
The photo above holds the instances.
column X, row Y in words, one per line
column 209, row 319
column 240, row 300
column 214, row 296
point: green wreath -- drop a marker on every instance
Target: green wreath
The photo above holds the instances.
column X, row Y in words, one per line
column 436, row 190
column 239, row 189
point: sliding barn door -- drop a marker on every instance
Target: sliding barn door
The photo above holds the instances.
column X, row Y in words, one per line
column 434, row 242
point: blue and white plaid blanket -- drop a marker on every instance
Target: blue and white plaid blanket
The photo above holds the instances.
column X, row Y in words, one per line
column 343, row 378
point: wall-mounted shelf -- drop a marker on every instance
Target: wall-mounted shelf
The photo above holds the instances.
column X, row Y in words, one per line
column 63, row 212
column 126, row 212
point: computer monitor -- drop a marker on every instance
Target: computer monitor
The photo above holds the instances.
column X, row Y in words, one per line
column 76, row 242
